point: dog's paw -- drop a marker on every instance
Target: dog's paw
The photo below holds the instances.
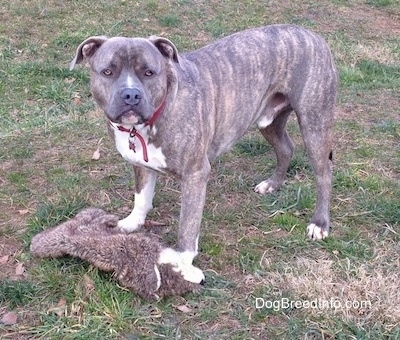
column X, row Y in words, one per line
column 266, row 187
column 316, row 233
column 182, row 264
column 130, row 223
column 190, row 273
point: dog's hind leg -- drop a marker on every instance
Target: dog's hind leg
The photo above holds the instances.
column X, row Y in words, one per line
column 277, row 136
column 316, row 130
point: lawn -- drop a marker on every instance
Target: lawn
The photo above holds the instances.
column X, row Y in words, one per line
column 264, row 279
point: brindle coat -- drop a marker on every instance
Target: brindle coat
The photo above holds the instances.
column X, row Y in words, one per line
column 212, row 97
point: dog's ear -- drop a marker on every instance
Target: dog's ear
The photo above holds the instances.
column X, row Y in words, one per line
column 166, row 48
column 87, row 49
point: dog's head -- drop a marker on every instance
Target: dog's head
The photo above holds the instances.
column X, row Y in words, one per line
column 130, row 77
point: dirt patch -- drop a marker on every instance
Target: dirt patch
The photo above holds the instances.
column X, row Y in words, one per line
column 379, row 22
column 373, row 25
column 370, row 21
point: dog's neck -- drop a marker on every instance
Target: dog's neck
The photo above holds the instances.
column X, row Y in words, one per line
column 157, row 113
column 133, row 132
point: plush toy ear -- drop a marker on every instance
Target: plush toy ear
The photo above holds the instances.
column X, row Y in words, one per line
column 87, row 49
column 166, row 47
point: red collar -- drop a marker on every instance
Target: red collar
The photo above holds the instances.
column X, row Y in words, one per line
column 134, row 133
column 156, row 114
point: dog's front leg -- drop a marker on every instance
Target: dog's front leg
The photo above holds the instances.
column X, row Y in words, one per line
column 145, row 182
column 192, row 203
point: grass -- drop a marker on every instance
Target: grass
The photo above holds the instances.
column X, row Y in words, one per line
column 251, row 247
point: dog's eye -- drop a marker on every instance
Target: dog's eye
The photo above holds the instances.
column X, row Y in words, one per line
column 148, row 73
column 107, row 72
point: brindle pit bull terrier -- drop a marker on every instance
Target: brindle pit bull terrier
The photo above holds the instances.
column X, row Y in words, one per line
column 175, row 113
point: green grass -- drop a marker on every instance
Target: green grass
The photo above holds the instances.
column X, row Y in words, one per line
column 17, row 293
column 370, row 74
column 251, row 246
column 381, row 3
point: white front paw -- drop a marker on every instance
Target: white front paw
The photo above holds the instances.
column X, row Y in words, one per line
column 190, row 273
column 130, row 223
column 182, row 263
column 316, row 233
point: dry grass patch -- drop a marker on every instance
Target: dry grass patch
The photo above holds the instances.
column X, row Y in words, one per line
column 345, row 288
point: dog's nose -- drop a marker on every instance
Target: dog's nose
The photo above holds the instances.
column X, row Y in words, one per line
column 131, row 95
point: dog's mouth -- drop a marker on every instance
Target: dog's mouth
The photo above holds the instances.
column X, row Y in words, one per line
column 130, row 118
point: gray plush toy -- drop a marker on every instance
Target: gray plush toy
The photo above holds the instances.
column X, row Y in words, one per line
column 137, row 259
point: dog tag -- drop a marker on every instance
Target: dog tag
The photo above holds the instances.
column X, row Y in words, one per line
column 132, row 145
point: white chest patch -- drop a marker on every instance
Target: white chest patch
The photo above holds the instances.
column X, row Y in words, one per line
column 124, row 143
